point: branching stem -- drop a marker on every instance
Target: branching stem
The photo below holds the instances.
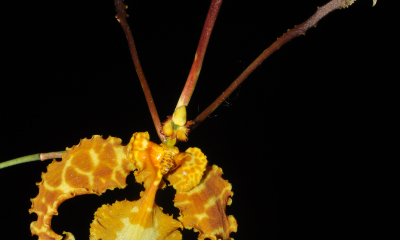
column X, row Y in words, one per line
column 289, row 35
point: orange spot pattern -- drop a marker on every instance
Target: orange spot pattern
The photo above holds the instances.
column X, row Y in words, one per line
column 203, row 207
column 91, row 167
column 95, row 165
column 141, row 219
column 190, row 171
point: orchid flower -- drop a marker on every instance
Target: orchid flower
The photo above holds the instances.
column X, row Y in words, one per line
column 96, row 165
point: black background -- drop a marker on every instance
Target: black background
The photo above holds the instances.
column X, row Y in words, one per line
column 297, row 141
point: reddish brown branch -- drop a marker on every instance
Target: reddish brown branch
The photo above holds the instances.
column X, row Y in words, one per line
column 121, row 17
column 292, row 33
column 201, row 51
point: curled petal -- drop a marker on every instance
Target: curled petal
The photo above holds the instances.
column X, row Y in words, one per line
column 142, row 219
column 91, row 167
column 68, row 236
column 188, row 175
column 146, row 156
column 203, row 207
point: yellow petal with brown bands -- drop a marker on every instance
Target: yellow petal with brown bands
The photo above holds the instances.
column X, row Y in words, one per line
column 203, row 207
column 190, row 171
column 146, row 156
column 130, row 221
column 91, row 167
column 141, row 219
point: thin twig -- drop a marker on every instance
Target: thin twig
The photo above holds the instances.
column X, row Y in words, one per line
column 292, row 33
column 200, row 52
column 31, row 158
column 121, row 17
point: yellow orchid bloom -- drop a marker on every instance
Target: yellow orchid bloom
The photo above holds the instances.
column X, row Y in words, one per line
column 97, row 164
column 108, row 166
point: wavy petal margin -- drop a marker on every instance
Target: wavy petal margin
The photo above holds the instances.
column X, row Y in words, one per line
column 91, row 167
column 129, row 221
column 203, row 207
column 142, row 219
column 95, row 165
column 190, row 171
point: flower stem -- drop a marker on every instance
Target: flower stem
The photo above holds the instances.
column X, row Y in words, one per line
column 200, row 52
column 289, row 35
column 121, row 17
column 31, row 158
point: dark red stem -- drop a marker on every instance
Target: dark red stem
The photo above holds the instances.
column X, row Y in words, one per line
column 201, row 51
column 121, row 17
column 292, row 33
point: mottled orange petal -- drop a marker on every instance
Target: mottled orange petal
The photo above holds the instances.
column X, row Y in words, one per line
column 190, row 171
column 146, row 156
column 203, row 207
column 141, row 219
column 91, row 167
